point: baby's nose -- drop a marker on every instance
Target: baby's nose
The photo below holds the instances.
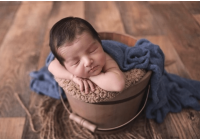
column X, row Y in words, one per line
column 88, row 62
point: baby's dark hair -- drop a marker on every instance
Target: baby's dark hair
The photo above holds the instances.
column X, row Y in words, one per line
column 66, row 30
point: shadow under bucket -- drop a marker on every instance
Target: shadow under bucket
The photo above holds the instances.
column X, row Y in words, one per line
column 113, row 115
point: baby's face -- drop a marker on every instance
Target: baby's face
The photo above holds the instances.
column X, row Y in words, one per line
column 84, row 57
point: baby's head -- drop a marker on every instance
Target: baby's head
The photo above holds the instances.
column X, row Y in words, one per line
column 77, row 46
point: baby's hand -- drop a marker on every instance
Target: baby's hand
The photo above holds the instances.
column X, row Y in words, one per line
column 85, row 84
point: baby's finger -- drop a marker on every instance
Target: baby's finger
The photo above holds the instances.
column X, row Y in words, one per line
column 81, row 85
column 86, row 86
column 91, row 85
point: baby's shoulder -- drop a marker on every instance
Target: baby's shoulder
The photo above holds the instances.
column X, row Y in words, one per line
column 108, row 57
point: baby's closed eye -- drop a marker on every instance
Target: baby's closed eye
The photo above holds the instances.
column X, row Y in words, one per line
column 75, row 63
column 93, row 49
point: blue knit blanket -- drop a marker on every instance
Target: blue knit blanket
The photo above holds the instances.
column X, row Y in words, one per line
column 168, row 92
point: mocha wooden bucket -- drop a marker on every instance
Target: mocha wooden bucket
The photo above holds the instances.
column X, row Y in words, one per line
column 110, row 116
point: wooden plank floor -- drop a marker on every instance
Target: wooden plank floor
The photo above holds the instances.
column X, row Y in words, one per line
column 24, row 28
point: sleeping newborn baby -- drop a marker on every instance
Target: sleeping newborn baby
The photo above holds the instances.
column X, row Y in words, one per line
column 79, row 57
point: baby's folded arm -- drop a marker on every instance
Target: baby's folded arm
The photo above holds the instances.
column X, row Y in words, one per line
column 59, row 71
column 111, row 80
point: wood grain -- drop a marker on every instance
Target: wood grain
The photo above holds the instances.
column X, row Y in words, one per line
column 138, row 22
column 11, row 128
column 197, row 18
column 192, row 6
column 7, row 14
column 183, row 32
column 19, row 54
column 104, row 16
column 164, row 2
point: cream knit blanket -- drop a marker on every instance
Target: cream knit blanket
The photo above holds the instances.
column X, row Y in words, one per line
column 132, row 77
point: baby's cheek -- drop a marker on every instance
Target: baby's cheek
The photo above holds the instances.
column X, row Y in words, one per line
column 74, row 71
column 81, row 72
column 103, row 60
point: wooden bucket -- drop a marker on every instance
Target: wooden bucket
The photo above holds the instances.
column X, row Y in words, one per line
column 113, row 115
